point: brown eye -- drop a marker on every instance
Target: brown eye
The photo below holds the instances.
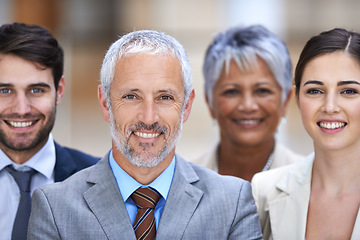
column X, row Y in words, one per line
column 230, row 92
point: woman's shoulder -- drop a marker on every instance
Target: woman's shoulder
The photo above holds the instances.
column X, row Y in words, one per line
column 283, row 155
column 274, row 179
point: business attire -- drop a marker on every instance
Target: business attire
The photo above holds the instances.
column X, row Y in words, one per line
column 53, row 163
column 282, row 197
column 281, row 156
column 200, row 204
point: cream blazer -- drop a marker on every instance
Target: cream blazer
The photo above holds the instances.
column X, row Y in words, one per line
column 282, row 198
column 282, row 156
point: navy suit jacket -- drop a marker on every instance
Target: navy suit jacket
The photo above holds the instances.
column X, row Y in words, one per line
column 70, row 161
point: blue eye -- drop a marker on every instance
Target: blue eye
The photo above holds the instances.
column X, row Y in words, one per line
column 5, row 91
column 36, row 90
column 166, row 97
column 129, row 96
column 349, row 91
column 313, row 91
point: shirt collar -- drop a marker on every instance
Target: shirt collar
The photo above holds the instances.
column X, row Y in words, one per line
column 162, row 183
column 43, row 161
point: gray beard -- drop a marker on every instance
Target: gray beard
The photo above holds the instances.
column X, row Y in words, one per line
column 121, row 143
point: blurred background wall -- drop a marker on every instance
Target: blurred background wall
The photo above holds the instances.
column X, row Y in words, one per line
column 86, row 28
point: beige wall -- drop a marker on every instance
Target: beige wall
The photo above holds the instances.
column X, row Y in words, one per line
column 87, row 27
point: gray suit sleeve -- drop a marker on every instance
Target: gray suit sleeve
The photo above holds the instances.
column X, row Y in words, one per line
column 41, row 224
column 246, row 224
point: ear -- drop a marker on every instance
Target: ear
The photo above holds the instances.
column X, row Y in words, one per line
column 212, row 113
column 60, row 90
column 103, row 104
column 188, row 106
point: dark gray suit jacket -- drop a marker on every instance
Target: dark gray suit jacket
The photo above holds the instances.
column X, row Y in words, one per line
column 201, row 205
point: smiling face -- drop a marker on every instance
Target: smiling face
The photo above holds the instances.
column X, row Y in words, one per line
column 247, row 105
column 329, row 100
column 146, row 114
column 28, row 102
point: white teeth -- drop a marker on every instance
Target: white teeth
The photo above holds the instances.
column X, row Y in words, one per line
column 146, row 135
column 333, row 125
column 248, row 121
column 20, row 124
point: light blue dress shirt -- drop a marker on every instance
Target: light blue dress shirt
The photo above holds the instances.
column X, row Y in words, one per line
column 43, row 162
column 162, row 184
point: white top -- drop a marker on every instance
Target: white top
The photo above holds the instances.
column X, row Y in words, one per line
column 281, row 156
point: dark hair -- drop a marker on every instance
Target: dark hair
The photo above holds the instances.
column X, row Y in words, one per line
column 33, row 43
column 337, row 39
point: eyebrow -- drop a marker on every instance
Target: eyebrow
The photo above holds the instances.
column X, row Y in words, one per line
column 5, row 84
column 341, row 83
column 348, row 82
column 313, row 82
column 45, row 85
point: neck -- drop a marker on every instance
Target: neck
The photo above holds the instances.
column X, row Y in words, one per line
column 143, row 175
column 21, row 157
column 243, row 161
column 336, row 171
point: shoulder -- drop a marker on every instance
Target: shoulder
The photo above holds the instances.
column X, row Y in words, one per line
column 81, row 159
column 77, row 182
column 284, row 156
column 207, row 159
column 273, row 182
column 227, row 200
column 210, row 182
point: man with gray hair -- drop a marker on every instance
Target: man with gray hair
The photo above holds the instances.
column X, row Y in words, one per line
column 141, row 189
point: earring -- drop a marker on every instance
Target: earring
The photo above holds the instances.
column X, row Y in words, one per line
column 213, row 123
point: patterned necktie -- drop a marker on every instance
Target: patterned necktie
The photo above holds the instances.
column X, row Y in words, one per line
column 23, row 180
column 144, row 225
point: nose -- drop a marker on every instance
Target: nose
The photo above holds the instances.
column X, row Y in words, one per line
column 149, row 113
column 248, row 103
column 21, row 104
column 331, row 105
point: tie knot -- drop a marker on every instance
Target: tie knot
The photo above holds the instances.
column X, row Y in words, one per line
column 145, row 197
column 22, row 179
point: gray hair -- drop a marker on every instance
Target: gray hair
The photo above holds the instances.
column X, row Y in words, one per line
column 244, row 45
column 148, row 42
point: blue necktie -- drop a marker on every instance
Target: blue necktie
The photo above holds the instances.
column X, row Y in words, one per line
column 23, row 180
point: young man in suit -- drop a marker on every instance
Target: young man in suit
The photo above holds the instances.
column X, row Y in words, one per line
column 141, row 189
column 31, row 86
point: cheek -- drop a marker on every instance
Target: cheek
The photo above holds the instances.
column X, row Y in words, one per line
column 307, row 113
column 272, row 106
column 223, row 107
column 45, row 107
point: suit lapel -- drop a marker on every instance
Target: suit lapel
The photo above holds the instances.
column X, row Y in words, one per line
column 105, row 201
column 181, row 203
column 290, row 204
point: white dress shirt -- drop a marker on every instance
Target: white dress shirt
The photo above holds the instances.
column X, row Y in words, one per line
column 43, row 162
